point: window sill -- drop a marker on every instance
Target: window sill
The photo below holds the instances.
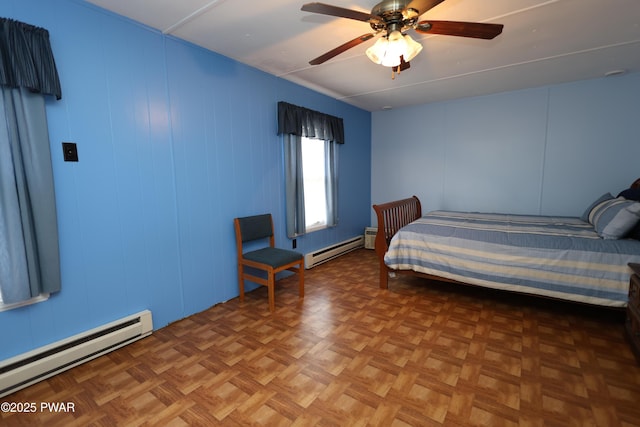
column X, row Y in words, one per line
column 317, row 227
column 34, row 300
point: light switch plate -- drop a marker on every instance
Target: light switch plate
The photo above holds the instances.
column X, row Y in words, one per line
column 70, row 151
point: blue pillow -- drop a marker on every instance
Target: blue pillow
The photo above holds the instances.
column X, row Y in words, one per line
column 615, row 218
column 631, row 194
column 635, row 233
column 585, row 215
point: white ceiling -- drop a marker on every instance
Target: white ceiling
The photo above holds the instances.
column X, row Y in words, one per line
column 543, row 42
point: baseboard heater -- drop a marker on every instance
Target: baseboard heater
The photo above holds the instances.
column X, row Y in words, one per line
column 323, row 255
column 29, row 368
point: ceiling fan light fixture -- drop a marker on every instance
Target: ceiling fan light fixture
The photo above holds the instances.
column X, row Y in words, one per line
column 413, row 48
column 387, row 50
column 376, row 52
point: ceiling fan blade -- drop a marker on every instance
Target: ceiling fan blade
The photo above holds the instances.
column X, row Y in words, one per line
column 423, row 5
column 338, row 50
column 475, row 30
column 327, row 9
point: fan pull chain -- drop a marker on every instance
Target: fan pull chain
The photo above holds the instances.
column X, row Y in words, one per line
column 397, row 69
column 394, row 71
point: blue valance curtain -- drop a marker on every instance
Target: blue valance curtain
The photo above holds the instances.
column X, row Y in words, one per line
column 29, row 253
column 300, row 121
column 26, row 59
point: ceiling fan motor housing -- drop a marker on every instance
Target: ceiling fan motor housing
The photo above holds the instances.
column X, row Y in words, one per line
column 394, row 16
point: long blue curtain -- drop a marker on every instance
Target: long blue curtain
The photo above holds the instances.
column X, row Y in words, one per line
column 294, row 185
column 29, row 253
column 331, row 184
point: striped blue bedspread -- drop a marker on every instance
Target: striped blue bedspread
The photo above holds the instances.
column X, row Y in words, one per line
column 560, row 257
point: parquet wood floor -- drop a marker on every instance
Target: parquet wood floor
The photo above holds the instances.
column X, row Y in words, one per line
column 350, row 354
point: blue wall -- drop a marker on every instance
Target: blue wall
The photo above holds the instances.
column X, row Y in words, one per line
column 174, row 142
column 550, row 150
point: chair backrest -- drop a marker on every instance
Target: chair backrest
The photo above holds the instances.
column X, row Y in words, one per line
column 255, row 227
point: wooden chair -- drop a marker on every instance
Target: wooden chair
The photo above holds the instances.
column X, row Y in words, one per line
column 270, row 259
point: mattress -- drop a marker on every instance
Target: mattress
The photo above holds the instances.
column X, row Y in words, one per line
column 559, row 257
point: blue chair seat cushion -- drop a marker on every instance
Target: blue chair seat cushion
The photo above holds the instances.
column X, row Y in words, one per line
column 275, row 257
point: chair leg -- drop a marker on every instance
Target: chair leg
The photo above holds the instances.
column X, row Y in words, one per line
column 272, row 293
column 241, row 282
column 301, row 280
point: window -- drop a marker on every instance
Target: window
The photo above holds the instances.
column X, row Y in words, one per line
column 311, row 184
column 314, row 182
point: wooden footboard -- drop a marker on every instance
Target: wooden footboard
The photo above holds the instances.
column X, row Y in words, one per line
column 392, row 217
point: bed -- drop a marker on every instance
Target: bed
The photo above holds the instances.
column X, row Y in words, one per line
column 575, row 259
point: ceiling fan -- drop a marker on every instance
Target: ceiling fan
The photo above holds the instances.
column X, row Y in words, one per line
column 395, row 17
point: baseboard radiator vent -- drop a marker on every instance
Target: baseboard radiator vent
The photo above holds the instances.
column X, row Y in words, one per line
column 323, row 255
column 29, row 368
